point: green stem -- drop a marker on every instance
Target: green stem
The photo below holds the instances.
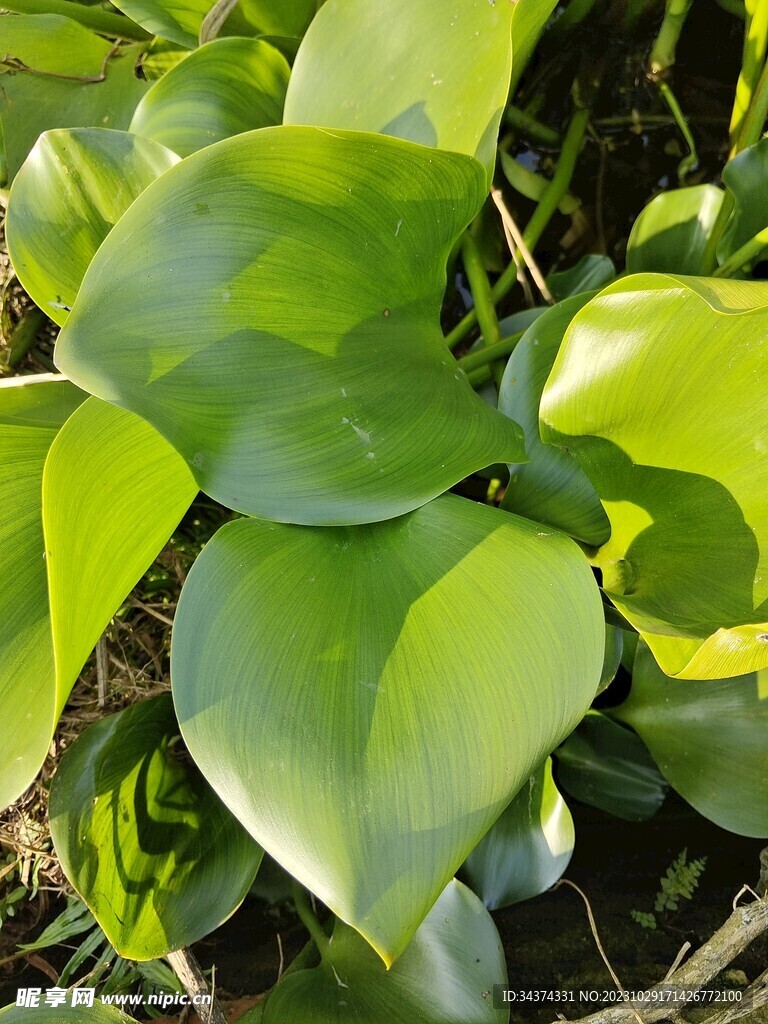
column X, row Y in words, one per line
column 531, row 127
column 752, row 62
column 308, row 919
column 573, row 15
column 556, row 189
column 744, row 254
column 481, row 291
column 490, row 353
column 691, row 161
column 23, row 338
column 104, row 22
column 754, row 119
column 663, row 52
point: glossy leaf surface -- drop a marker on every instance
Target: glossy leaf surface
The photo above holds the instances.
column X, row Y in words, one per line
column 670, row 235
column 744, row 176
column 551, row 488
column 454, row 959
column 606, row 766
column 103, row 94
column 301, row 373
column 226, row 87
column 429, row 72
column 678, row 460
column 708, row 738
column 367, row 735
column 143, row 838
column 527, row 849
column 31, row 413
column 112, row 492
column 73, row 188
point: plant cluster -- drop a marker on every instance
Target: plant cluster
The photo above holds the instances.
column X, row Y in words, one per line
column 246, row 249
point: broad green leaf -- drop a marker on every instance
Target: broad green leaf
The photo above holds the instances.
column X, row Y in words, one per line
column 678, row 459
column 430, row 72
column 282, row 330
column 528, row 848
column 462, row 646
column 72, row 189
column 744, row 176
column 97, row 1014
column 31, row 411
column 590, row 273
column 31, row 101
column 143, row 838
column 607, row 766
column 708, row 738
column 112, row 492
column 671, row 233
column 226, row 87
column 551, row 488
column 446, row 975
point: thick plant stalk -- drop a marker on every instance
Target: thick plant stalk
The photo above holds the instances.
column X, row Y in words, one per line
column 191, row 976
column 481, row 291
column 740, row 930
column 753, row 60
column 663, row 52
column 114, row 25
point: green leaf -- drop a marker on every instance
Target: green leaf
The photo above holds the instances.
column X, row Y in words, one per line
column 73, row 188
column 97, row 1014
column 446, row 975
column 180, row 20
column 143, row 838
column 282, row 330
column 590, row 273
column 32, row 101
column 226, row 87
column 614, row 647
column 428, row 72
column 528, row 848
column 31, row 411
column 671, row 233
column 463, row 645
column 551, row 488
column 744, row 177
column 708, row 739
column 112, row 492
column 678, row 460
column 607, row 766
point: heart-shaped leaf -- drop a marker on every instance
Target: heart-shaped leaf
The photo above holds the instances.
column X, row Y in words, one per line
column 551, row 488
column 607, row 766
column 430, row 72
column 99, row 87
column 528, row 848
column 678, row 460
column 282, row 330
column 172, row 869
column 446, row 975
column 708, row 739
column 367, row 735
column 112, row 491
column 671, row 233
column 73, row 188
column 227, row 87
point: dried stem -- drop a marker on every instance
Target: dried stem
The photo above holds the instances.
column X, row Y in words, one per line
column 191, row 976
